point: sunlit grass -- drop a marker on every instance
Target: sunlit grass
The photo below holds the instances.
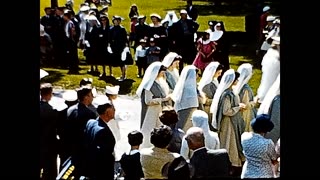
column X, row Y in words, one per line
column 147, row 7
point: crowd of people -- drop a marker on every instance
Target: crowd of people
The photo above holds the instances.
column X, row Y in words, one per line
column 215, row 127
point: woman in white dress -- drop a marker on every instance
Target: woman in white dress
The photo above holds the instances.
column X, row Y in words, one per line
column 154, row 93
column 270, row 69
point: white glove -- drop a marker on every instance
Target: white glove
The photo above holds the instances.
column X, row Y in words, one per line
column 156, row 36
column 109, row 50
column 86, row 42
column 124, row 53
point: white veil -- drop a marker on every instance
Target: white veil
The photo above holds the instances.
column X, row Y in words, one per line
column 272, row 92
column 270, row 70
column 216, row 34
column 168, row 59
column 187, row 78
column 208, row 74
column 149, row 77
column 174, row 17
column 245, row 71
column 226, row 81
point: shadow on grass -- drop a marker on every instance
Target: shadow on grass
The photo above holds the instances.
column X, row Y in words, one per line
column 230, row 7
column 125, row 85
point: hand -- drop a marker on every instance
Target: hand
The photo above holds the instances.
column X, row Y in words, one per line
column 242, row 106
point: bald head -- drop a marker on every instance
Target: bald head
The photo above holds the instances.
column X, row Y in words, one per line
column 195, row 138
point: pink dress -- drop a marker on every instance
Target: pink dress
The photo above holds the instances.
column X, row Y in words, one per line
column 207, row 48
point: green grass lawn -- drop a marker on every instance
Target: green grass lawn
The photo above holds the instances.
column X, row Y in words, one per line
column 232, row 16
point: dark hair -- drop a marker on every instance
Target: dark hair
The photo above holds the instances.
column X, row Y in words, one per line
column 220, row 66
column 262, row 123
column 161, row 136
column 237, row 75
column 162, row 68
column 103, row 107
column 83, row 91
column 45, row 89
column 85, row 81
column 135, row 138
column 169, row 117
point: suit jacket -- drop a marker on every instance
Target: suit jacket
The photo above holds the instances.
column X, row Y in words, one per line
column 210, row 163
column 193, row 12
column 99, row 148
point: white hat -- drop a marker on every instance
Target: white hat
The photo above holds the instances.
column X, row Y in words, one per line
column 58, row 103
column 85, row 8
column 99, row 100
column 266, row 8
column 117, row 17
column 70, row 95
column 183, row 11
column 113, row 90
column 155, row 15
column 43, row 73
column 271, row 18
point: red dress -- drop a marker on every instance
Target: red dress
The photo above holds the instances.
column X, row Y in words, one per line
column 207, row 47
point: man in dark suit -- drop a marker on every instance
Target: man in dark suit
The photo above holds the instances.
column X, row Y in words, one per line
column 100, row 144
column 182, row 36
column 192, row 11
column 48, row 134
column 206, row 163
column 77, row 117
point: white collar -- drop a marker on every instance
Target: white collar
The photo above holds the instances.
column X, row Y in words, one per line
column 132, row 152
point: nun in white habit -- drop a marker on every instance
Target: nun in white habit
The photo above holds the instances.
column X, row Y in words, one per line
column 154, row 93
column 217, row 33
column 271, row 106
column 226, row 118
column 270, row 69
column 185, row 97
column 171, row 62
column 200, row 119
column 208, row 85
column 171, row 17
column 246, row 95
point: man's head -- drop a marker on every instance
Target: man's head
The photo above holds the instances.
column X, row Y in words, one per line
column 85, row 95
column 195, row 138
column 46, row 91
column 106, row 112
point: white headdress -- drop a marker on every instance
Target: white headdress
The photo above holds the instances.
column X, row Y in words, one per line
column 226, row 81
column 245, row 71
column 216, row 34
column 208, row 73
column 171, row 20
column 272, row 92
column 187, row 80
column 149, row 77
column 168, row 59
